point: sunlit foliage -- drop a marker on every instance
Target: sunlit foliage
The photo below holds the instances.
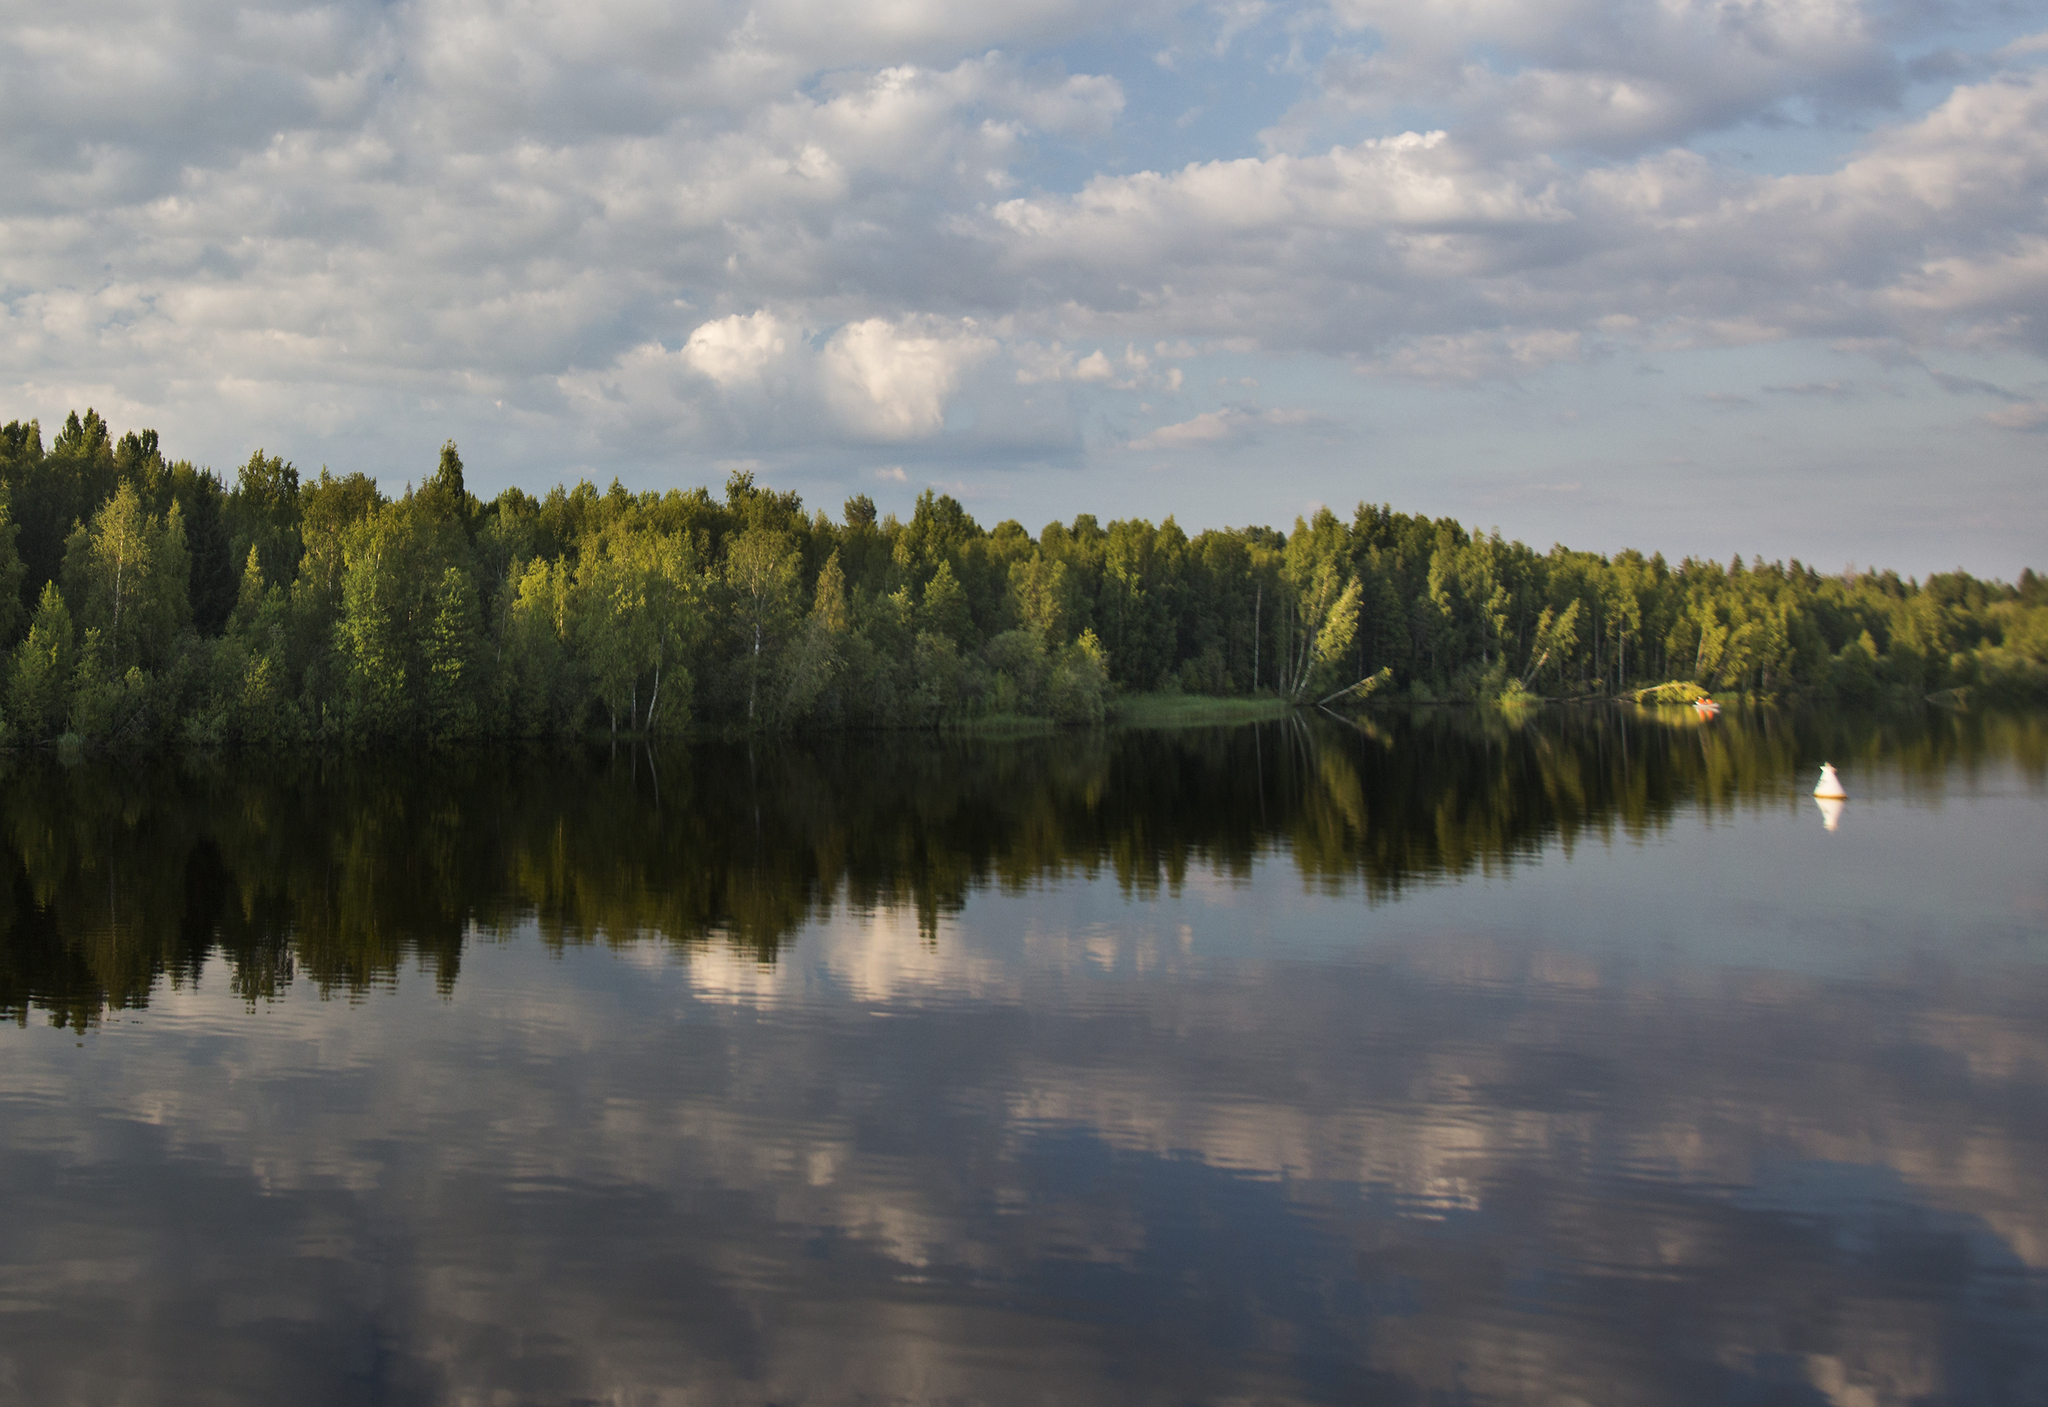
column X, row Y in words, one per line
column 143, row 601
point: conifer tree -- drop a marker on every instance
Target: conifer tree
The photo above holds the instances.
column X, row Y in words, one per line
column 453, row 658
column 39, row 672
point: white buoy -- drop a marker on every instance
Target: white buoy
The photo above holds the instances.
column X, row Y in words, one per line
column 1830, row 786
column 1831, row 809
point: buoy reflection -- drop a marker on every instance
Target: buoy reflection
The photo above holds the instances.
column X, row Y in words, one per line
column 1831, row 809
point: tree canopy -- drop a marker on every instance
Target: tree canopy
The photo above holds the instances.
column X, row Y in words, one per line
column 142, row 599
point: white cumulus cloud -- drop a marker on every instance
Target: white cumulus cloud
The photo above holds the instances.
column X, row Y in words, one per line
column 735, row 350
column 891, row 381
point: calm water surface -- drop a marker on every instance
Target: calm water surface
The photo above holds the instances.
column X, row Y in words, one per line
column 1438, row 1059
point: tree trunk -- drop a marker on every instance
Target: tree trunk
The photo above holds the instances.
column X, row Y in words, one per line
column 754, row 674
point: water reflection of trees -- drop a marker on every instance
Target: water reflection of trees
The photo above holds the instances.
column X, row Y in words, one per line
column 342, row 869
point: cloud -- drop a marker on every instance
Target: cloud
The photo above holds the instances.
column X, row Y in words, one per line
column 1039, row 364
column 1133, row 371
column 1400, row 249
column 735, row 350
column 1093, row 367
column 2028, row 415
column 1475, row 356
column 1969, row 385
column 468, row 206
column 1617, row 77
column 665, row 235
column 891, row 381
column 1231, row 425
column 1209, row 427
column 1831, row 390
column 757, row 377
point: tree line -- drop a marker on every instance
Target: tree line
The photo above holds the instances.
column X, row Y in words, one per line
column 144, row 599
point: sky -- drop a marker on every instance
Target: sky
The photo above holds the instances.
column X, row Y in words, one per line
column 1695, row 276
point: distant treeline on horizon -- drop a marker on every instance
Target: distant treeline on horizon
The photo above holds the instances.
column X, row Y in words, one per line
column 143, row 600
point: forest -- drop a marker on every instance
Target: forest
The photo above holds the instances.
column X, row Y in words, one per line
column 146, row 601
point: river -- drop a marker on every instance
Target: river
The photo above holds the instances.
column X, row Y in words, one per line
column 1431, row 1057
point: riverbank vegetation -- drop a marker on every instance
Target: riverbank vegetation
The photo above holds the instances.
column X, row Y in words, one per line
column 145, row 599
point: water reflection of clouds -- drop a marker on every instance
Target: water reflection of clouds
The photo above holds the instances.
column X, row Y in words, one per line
column 880, row 955
column 1430, row 1078
column 1434, row 1115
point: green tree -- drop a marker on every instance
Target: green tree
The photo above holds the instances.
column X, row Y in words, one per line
column 395, row 563
column 54, row 491
column 107, row 702
column 201, row 503
column 1323, row 606
column 1041, row 596
column 11, row 572
column 537, row 673
column 452, row 658
column 761, row 579
column 39, row 672
column 264, row 512
column 675, row 626
column 1556, row 640
column 943, row 610
column 1079, row 687
column 638, row 617
column 1019, row 672
column 249, row 597
column 444, row 496
column 129, row 572
column 610, row 624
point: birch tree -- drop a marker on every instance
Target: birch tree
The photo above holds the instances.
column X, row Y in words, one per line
column 761, row 576
column 1322, row 604
column 128, row 572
